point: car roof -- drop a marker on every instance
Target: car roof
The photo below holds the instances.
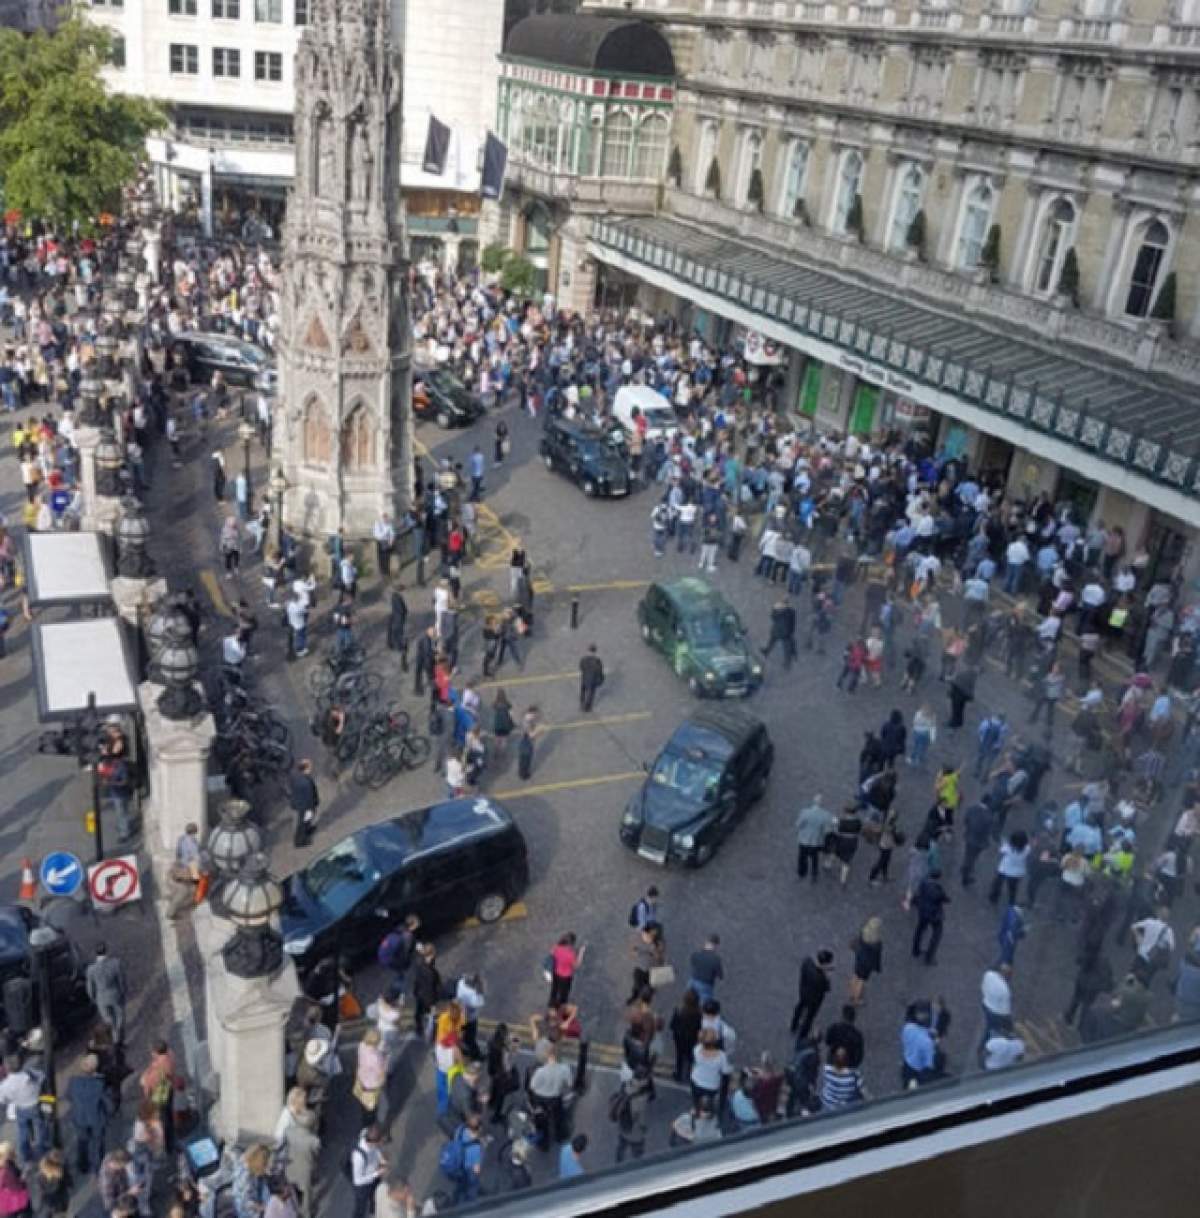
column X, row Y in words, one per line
column 437, row 827
column 643, row 397
column 221, row 340
column 575, row 428
column 718, row 731
column 692, row 593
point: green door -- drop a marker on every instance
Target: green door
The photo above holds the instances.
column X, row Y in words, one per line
column 810, row 389
column 866, row 398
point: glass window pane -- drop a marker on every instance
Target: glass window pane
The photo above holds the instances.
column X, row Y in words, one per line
column 618, row 138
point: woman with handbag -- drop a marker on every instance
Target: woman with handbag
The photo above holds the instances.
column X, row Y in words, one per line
column 14, row 1194
column 158, row 1084
column 649, row 951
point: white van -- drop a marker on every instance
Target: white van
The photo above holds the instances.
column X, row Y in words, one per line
column 660, row 417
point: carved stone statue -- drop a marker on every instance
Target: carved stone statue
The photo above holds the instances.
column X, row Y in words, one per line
column 326, row 158
column 363, row 163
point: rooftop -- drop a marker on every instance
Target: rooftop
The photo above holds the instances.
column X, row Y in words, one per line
column 595, row 44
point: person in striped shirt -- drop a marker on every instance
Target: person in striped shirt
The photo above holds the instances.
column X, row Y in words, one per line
column 841, row 1085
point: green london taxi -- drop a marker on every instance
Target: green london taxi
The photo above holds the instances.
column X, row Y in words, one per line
column 701, row 635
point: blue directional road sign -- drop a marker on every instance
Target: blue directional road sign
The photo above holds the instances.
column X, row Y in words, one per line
column 61, row 874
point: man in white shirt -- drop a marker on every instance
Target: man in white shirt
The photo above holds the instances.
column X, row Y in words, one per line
column 1154, row 943
column 996, row 996
column 1016, row 558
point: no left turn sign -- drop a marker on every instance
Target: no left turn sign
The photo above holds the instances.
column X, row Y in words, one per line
column 115, row 882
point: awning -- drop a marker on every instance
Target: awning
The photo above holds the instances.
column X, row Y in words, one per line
column 74, row 659
column 67, row 569
column 1122, row 427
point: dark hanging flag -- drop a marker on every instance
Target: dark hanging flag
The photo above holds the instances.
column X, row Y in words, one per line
column 437, row 145
column 495, row 160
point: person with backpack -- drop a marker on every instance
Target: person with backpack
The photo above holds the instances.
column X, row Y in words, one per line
column 461, row 1161
column 366, row 1166
column 627, row 1109
column 645, row 910
column 397, row 948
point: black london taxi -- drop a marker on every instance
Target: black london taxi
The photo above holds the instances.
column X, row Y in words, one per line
column 593, row 460
column 454, row 860
column 20, row 1010
column 713, row 768
column 701, row 635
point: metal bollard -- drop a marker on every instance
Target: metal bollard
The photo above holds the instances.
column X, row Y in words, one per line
column 575, row 612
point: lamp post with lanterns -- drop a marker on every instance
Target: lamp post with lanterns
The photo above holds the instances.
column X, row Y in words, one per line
column 109, row 460
column 249, row 900
column 278, row 487
column 246, row 433
column 176, row 666
column 133, row 534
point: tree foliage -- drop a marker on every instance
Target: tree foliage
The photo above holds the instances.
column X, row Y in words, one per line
column 712, row 183
column 492, row 257
column 754, row 193
column 67, row 144
column 989, row 257
column 675, row 166
column 915, row 237
column 854, row 218
column 518, row 275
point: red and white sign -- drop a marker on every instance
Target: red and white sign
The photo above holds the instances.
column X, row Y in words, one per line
column 115, row 882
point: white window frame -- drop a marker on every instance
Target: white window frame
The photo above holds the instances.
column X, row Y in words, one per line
column 621, row 173
column 654, row 172
column 707, row 147
column 839, row 212
column 976, row 183
column 227, row 63
column 269, row 60
column 750, row 157
column 1139, row 225
column 790, row 191
column 189, row 56
column 1041, row 238
column 898, row 225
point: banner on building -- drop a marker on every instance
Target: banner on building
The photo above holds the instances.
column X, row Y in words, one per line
column 437, row 147
column 495, row 161
column 762, row 350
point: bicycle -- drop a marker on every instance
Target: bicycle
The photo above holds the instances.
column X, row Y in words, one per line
column 357, row 687
column 385, row 756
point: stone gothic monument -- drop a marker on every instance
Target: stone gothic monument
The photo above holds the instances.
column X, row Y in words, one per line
column 343, row 423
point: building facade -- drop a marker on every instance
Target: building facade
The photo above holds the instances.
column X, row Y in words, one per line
column 343, row 417
column 584, row 107
column 226, row 67
column 981, row 218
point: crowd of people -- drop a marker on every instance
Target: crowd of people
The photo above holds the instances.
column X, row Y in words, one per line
column 914, row 565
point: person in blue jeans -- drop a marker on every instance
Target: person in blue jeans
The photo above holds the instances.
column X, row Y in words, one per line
column 90, row 1108
column 467, row 1178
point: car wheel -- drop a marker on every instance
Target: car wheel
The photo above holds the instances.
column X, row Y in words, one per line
column 443, row 420
column 549, row 460
column 589, row 488
column 491, row 907
column 703, row 854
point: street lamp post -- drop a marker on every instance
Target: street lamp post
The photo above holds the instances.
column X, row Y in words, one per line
column 248, row 901
column 278, row 487
column 133, row 533
column 176, row 666
column 232, row 842
column 41, row 940
column 87, row 751
column 246, row 434
column 109, row 460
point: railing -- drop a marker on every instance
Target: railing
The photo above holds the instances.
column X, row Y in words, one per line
column 1003, row 23
column 1183, row 35
column 932, row 18
column 1090, row 29
column 586, row 191
column 933, row 366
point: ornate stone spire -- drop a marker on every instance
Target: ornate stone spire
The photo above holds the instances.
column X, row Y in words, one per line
column 344, row 370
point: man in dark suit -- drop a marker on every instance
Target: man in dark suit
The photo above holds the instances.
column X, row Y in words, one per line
column 423, row 661
column 814, row 985
column 783, row 630
column 591, row 677
column 305, row 802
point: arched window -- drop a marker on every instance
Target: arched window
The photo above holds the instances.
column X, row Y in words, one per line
column 649, row 154
column 849, row 184
column 795, row 177
column 906, row 206
column 752, row 146
column 318, row 440
column 1146, row 270
column 358, row 441
column 707, row 146
column 976, row 219
column 618, row 142
column 1058, row 232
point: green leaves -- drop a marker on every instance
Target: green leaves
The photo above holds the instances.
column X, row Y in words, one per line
column 67, row 144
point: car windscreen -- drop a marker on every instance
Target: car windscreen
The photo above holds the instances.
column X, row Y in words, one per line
column 690, row 772
column 712, row 629
column 340, row 878
column 657, row 416
column 448, row 384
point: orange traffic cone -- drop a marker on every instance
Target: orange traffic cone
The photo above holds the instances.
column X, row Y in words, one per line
column 28, row 881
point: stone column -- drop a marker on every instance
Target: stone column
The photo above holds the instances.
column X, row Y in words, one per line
column 178, row 754
column 136, row 598
column 100, row 512
column 246, row 1019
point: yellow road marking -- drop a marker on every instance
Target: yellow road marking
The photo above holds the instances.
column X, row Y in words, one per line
column 546, row 788
column 615, row 585
column 212, row 586
column 546, row 676
column 597, row 721
column 514, row 913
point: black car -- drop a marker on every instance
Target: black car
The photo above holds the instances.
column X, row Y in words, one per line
column 445, row 863
column 712, row 769
column 20, row 1008
column 442, row 397
column 242, row 363
column 595, row 461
